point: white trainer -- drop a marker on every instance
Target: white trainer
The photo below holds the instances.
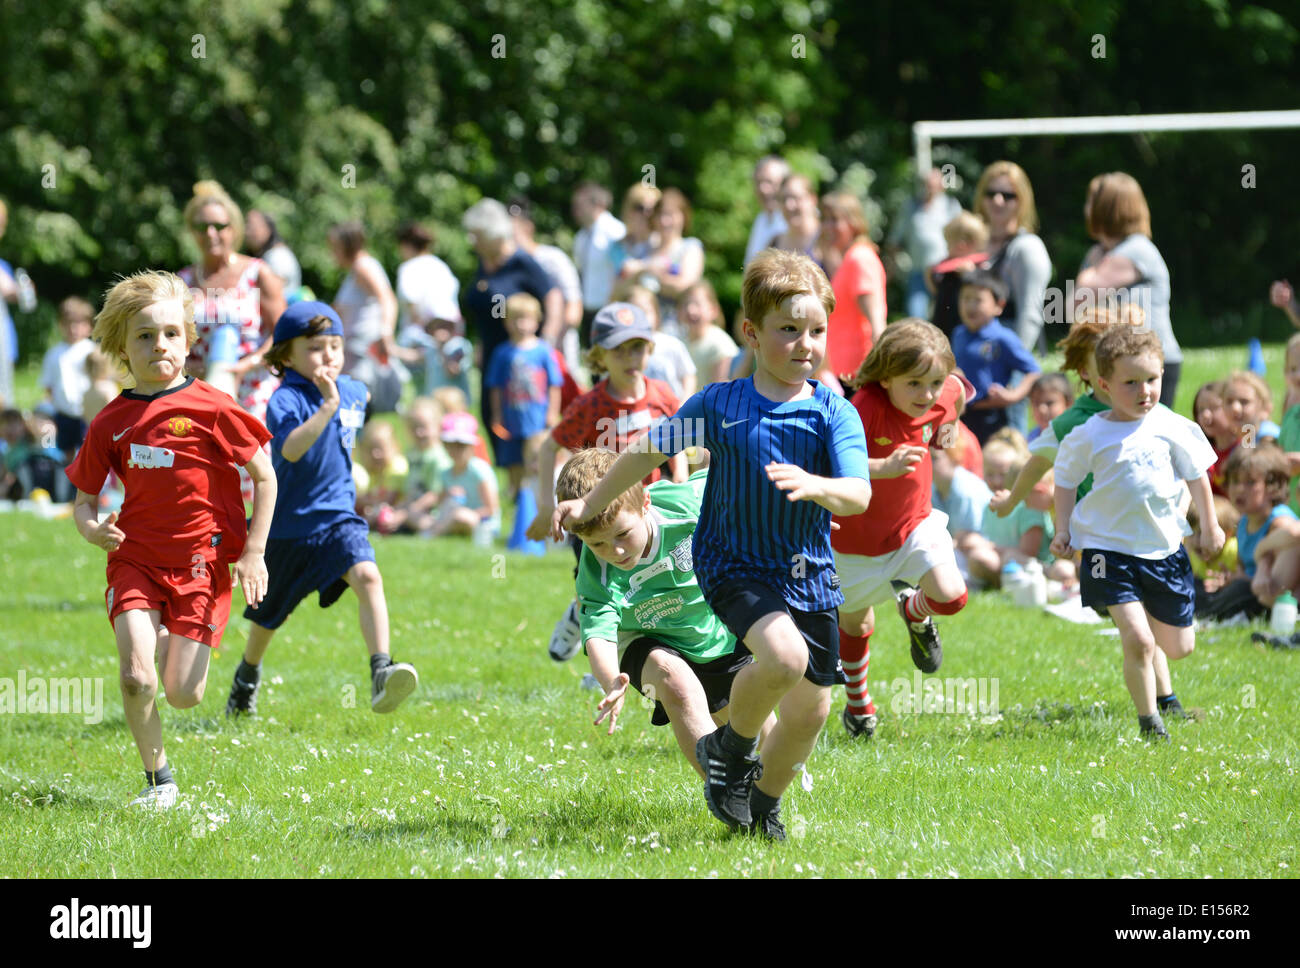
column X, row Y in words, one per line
column 566, row 640
column 161, row 797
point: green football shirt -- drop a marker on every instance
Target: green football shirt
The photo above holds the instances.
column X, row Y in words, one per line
column 659, row 597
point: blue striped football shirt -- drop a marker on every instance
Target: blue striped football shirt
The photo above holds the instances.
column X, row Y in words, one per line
column 748, row 528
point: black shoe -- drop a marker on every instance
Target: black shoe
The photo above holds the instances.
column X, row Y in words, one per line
column 1173, row 710
column 927, row 649
column 1155, row 734
column 728, row 780
column 859, row 727
column 243, row 698
column 768, row 825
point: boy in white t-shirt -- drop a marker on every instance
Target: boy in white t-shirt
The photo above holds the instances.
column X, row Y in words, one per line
column 1130, row 526
column 64, row 375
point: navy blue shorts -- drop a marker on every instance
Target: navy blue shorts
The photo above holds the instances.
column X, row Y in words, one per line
column 510, row 452
column 715, row 675
column 742, row 602
column 300, row 566
column 1164, row 586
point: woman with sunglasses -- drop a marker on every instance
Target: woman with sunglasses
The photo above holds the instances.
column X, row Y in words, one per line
column 237, row 298
column 639, row 203
column 1004, row 199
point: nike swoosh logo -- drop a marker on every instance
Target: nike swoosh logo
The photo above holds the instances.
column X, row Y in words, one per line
column 119, row 436
column 728, row 426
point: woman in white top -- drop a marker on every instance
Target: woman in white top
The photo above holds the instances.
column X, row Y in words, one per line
column 426, row 287
column 365, row 302
column 675, row 264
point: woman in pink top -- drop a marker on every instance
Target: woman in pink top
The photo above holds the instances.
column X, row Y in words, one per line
column 858, row 280
column 231, row 289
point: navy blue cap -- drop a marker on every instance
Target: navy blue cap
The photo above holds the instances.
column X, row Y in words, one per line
column 619, row 322
column 296, row 321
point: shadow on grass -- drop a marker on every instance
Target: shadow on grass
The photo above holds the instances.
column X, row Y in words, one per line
column 33, row 603
column 1044, row 715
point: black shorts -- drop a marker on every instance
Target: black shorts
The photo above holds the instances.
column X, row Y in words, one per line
column 715, row 675
column 742, row 602
column 1164, row 586
column 299, row 566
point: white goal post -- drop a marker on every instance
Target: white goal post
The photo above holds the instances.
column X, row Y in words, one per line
column 925, row 132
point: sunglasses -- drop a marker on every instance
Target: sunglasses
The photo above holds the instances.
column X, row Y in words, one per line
column 1007, row 196
column 204, row 226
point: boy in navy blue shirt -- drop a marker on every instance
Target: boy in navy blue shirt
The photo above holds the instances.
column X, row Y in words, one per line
column 989, row 354
column 787, row 453
column 317, row 541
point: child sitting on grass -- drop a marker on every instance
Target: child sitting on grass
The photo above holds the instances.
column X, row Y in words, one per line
column 427, row 462
column 175, row 443
column 469, row 503
column 1289, row 438
column 1051, row 396
column 383, row 477
column 1207, row 411
column 1268, row 532
column 1129, row 527
column 645, row 622
column 1222, row 588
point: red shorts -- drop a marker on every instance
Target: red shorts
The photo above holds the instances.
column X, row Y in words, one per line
column 193, row 602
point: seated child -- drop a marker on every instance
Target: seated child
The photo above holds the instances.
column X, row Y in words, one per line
column 1248, row 404
column 967, row 237
column 964, row 498
column 712, row 349
column 645, row 622
column 1024, row 534
column 427, row 462
column 1268, row 533
column 453, row 400
column 1289, row 439
column 468, row 503
column 1051, row 396
column 989, row 354
column 1207, row 411
column 1222, row 588
column 386, row 469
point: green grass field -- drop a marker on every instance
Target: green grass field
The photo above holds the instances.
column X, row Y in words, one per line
column 494, row 769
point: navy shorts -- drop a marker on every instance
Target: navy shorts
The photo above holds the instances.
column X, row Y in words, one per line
column 300, row 566
column 1164, row 586
column 510, row 452
column 742, row 602
column 715, row 675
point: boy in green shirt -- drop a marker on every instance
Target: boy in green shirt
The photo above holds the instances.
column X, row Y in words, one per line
column 644, row 620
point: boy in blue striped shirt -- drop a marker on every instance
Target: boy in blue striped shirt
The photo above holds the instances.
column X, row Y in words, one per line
column 787, row 453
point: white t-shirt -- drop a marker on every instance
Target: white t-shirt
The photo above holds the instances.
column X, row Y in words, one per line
column 766, row 227
column 592, row 251
column 1138, row 468
column 670, row 362
column 427, row 285
column 63, row 373
column 714, row 345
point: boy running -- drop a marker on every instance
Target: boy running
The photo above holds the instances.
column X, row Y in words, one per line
column 175, row 443
column 645, row 622
column 786, row 455
column 1141, row 456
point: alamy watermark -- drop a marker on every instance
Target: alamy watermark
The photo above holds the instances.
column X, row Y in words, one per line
column 951, row 694
column 28, row 695
column 1061, row 306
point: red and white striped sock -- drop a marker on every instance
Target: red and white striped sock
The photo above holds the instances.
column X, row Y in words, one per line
column 855, row 656
column 918, row 607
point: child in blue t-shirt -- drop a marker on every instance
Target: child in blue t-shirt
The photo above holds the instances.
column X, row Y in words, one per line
column 523, row 383
column 1268, row 531
column 789, row 453
column 989, row 354
column 317, row 541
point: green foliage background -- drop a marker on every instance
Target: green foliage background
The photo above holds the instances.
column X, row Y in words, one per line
column 288, row 92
